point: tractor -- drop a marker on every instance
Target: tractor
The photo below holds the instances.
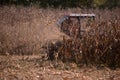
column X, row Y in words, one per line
column 69, row 49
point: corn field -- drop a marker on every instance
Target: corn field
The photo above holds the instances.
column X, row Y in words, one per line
column 24, row 30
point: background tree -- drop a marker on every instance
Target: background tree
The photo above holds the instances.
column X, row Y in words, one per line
column 64, row 3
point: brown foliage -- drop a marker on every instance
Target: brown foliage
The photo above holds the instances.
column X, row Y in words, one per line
column 24, row 30
column 99, row 45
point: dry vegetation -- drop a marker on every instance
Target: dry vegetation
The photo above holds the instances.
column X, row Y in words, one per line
column 24, row 31
column 99, row 44
column 34, row 68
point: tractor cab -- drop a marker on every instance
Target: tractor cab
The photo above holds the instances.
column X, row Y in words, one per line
column 72, row 24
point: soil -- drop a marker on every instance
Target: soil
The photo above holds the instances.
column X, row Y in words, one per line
column 36, row 67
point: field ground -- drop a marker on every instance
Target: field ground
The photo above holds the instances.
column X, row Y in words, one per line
column 37, row 68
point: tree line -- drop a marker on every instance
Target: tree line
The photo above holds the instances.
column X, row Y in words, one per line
column 64, row 3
